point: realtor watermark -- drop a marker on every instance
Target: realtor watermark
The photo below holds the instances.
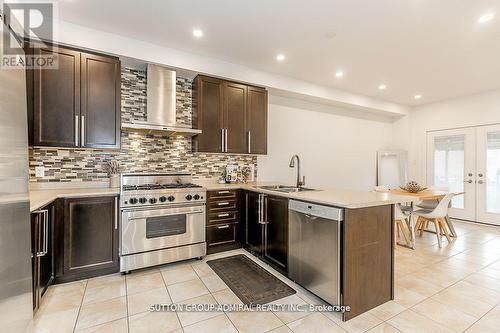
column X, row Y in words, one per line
column 26, row 29
column 244, row 307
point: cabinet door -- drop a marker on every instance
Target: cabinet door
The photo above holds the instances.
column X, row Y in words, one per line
column 207, row 114
column 100, row 94
column 257, row 120
column 253, row 229
column 276, row 232
column 235, row 97
column 56, row 100
column 90, row 237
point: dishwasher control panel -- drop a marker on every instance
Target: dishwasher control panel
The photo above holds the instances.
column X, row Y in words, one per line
column 327, row 212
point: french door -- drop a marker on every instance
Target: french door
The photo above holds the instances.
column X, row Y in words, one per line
column 467, row 160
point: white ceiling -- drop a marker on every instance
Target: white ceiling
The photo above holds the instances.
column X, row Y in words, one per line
column 428, row 47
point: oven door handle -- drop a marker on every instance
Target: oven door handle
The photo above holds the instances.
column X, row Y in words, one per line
column 162, row 215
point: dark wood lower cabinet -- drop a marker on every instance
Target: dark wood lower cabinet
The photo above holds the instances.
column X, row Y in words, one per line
column 223, row 221
column 266, row 228
column 88, row 238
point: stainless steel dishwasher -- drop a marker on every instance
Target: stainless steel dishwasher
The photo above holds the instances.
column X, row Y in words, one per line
column 315, row 247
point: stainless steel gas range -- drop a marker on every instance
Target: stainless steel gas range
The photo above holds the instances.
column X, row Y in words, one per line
column 162, row 219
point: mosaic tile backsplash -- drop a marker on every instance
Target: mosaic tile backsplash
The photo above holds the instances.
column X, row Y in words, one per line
column 139, row 152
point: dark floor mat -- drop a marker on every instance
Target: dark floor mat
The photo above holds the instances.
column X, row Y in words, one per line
column 250, row 282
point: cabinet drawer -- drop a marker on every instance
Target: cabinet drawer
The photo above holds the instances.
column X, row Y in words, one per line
column 222, row 205
column 222, row 195
column 223, row 217
column 222, row 234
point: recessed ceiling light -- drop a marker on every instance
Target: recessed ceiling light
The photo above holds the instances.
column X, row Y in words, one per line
column 280, row 57
column 418, row 96
column 339, row 74
column 198, row 33
column 382, row 87
column 486, row 17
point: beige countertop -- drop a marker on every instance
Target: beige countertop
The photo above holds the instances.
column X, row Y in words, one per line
column 332, row 197
column 39, row 197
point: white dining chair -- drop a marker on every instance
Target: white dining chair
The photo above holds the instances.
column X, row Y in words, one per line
column 402, row 224
column 436, row 216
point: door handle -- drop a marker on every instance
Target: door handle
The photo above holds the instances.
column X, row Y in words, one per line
column 249, row 134
column 222, row 140
column 43, row 231
column 116, row 213
column 83, row 130
column 225, row 140
column 77, row 130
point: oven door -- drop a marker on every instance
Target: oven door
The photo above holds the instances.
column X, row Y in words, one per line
column 160, row 228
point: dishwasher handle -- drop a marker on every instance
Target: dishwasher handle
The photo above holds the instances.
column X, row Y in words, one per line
column 315, row 210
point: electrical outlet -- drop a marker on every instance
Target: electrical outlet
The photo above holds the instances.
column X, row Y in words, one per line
column 39, row 171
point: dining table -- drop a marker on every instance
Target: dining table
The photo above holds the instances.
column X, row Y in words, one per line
column 428, row 194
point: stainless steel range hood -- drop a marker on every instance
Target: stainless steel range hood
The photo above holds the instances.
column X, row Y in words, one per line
column 161, row 106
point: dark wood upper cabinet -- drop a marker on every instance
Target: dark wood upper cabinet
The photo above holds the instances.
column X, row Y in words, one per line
column 77, row 104
column 235, row 97
column 256, row 125
column 276, row 231
column 100, row 101
column 232, row 117
column 207, row 114
column 90, row 238
column 56, row 100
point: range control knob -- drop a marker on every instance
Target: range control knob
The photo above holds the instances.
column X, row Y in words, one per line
column 152, row 200
column 196, row 197
column 163, row 199
column 142, row 200
column 171, row 198
column 189, row 197
column 133, row 201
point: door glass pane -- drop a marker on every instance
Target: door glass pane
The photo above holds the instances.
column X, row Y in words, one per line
column 449, row 164
column 493, row 173
column 163, row 226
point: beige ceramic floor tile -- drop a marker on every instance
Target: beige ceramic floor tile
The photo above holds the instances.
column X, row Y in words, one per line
column 472, row 306
column 412, row 322
column 254, row 322
column 289, row 316
column 384, row 328
column 218, row 324
column 189, row 318
column 153, row 322
column 142, row 302
column 56, row 322
column 419, row 285
column 490, row 323
column 144, row 282
column 178, row 274
column 102, row 280
column 202, row 269
column 104, row 291
column 186, row 290
column 101, row 312
column 61, row 301
column 448, row 316
column 117, row 326
column 282, row 329
column 214, row 283
column 315, row 322
column 360, row 323
column 407, row 298
column 484, row 281
column 492, row 273
column 226, row 296
column 387, row 310
column 78, row 286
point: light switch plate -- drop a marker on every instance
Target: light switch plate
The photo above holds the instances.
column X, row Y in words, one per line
column 39, row 171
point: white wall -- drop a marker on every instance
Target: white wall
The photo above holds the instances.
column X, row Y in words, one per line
column 410, row 132
column 337, row 147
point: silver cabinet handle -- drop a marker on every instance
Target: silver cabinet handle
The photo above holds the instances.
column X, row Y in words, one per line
column 249, row 135
column 222, row 140
column 223, row 215
column 116, row 213
column 77, row 131
column 83, row 130
column 46, row 232
column 223, row 203
column 223, row 192
column 43, row 240
column 265, row 210
column 223, row 226
column 225, row 140
column 259, row 209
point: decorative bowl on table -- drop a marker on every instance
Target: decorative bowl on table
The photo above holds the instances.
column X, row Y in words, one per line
column 413, row 187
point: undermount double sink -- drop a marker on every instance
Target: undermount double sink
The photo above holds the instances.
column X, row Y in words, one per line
column 285, row 188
